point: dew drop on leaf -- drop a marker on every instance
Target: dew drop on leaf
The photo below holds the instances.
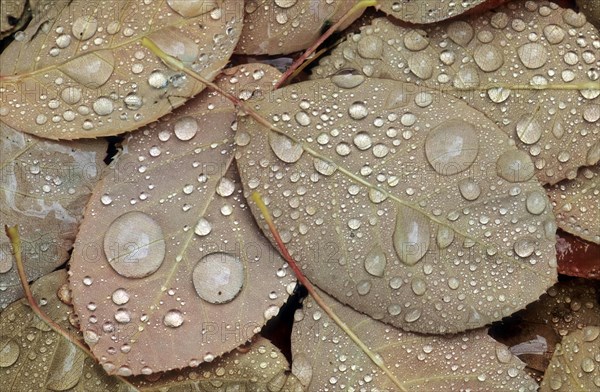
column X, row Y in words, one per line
column 219, row 277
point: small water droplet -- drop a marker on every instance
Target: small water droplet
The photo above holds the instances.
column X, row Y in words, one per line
column 185, row 128
column 445, row 237
column 536, row 202
column 285, row 148
column 226, row 187
column 375, row 261
column 411, row 235
column 524, row 247
column 529, row 129
column 173, row 318
column 469, row 189
column 120, row 297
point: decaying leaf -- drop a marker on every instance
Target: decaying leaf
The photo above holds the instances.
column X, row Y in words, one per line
column 286, row 26
column 85, row 74
column 575, row 365
column 34, row 357
column 591, row 9
column 576, row 204
column 426, row 11
column 533, row 333
column 577, row 257
column 255, row 368
column 409, row 206
column 168, row 251
column 325, row 359
column 531, row 67
column 45, row 186
column 12, row 15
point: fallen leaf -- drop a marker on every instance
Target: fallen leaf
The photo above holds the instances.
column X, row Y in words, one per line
column 12, row 15
column 325, row 359
column 576, row 204
column 531, row 67
column 577, row 257
column 426, row 11
column 575, row 365
column 286, row 26
column 168, row 251
column 85, row 74
column 35, row 356
column 45, row 186
column 408, row 206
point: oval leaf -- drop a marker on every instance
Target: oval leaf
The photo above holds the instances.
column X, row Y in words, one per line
column 286, row 26
column 326, row 359
column 168, row 251
column 576, row 206
column 410, row 207
column 45, row 187
column 85, row 73
column 532, row 67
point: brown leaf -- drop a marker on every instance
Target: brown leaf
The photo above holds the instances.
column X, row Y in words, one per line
column 577, row 257
column 169, row 268
column 426, row 11
column 12, row 15
column 85, row 73
column 325, row 359
column 286, row 26
column 531, row 67
column 575, row 365
column 576, row 204
column 409, row 206
column 45, row 186
column 591, row 9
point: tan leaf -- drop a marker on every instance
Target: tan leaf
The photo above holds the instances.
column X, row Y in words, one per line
column 436, row 226
column 45, row 186
column 575, row 365
column 426, row 11
column 13, row 14
column 85, row 73
column 326, row 359
column 168, row 252
column 576, row 204
column 286, row 26
column 531, row 67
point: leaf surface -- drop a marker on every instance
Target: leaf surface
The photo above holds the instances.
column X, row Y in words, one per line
column 576, row 204
column 532, row 67
column 427, row 11
column 286, row 26
column 85, row 74
column 169, row 268
column 417, row 212
column 326, row 359
column 575, row 365
column 12, row 15
column 45, row 186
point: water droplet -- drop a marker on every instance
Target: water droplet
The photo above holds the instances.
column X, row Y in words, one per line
column 103, row 106
column 9, row 351
column 185, row 128
column 515, row 166
column 120, row 297
column 533, row 55
column 323, row 167
column 348, row 79
column 302, row 118
column 6, row 261
column 158, row 80
column 173, row 318
column 469, row 189
column 375, row 261
column 191, row 8
column 412, row 315
column 203, row 227
column 445, row 236
column 84, row 27
column 418, row 286
column 415, row 40
column 529, row 129
column 285, row 148
column 524, row 247
column 90, row 70
column 358, row 110
column 363, row 287
column 421, row 64
column 536, row 202
column 488, row 57
column 370, row 47
column 218, row 277
column 226, row 187
column 362, row 141
column 452, row 147
column 133, row 101
column 498, row 94
column 122, row 316
column 460, row 32
column 411, row 235
column 134, row 245
column 554, row 34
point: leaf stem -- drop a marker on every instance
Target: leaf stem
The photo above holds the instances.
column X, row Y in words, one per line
column 362, row 4
column 374, row 357
column 15, row 240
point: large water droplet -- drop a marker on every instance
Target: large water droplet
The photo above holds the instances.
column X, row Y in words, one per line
column 84, row 27
column 445, row 236
column 375, row 261
column 120, row 297
column 9, row 351
column 524, row 247
column 218, row 277
column 173, row 318
column 358, row 110
column 285, row 148
column 488, row 57
column 66, row 368
column 469, row 189
column 185, row 128
column 203, row 227
column 175, row 44
column 411, row 235
column 348, row 79
column 370, row 47
column 134, row 245
column 529, row 129
column 452, row 147
column 536, row 202
column 460, row 32
column 91, row 70
column 421, row 64
column 533, row 55
column 192, row 8
column 515, row 166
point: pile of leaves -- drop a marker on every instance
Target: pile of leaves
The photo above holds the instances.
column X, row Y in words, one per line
column 412, row 204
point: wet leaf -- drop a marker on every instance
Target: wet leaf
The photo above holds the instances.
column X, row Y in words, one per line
column 45, row 186
column 257, row 367
column 531, row 67
column 34, row 356
column 168, row 251
column 85, row 73
column 576, row 206
column 575, row 365
column 577, row 257
column 12, row 15
column 426, row 11
column 326, row 359
column 417, row 212
column 286, row 26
